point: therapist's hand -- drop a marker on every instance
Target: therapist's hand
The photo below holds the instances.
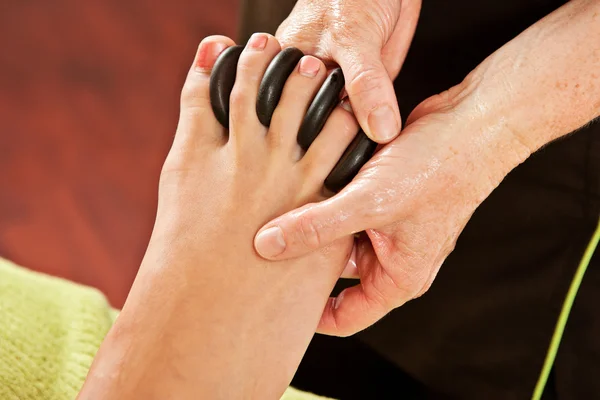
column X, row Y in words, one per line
column 413, row 199
column 417, row 193
column 369, row 41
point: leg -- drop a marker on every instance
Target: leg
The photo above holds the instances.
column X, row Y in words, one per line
column 207, row 317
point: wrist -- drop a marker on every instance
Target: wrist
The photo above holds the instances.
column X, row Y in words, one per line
column 541, row 85
column 490, row 125
column 477, row 134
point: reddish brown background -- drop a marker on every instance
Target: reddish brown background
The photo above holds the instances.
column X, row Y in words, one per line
column 88, row 106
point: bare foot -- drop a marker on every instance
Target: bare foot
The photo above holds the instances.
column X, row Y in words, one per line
column 207, row 317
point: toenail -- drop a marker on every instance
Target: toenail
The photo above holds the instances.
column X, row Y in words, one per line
column 309, row 66
column 270, row 242
column 207, row 55
column 258, row 41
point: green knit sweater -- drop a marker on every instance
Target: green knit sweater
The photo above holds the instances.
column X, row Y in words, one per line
column 50, row 330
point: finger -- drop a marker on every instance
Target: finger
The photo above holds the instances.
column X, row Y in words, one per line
column 378, row 292
column 319, row 224
column 350, row 312
column 351, row 270
column 371, row 93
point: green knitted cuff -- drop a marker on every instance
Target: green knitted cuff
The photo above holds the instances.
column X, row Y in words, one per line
column 50, row 330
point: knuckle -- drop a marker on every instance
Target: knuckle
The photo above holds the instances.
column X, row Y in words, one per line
column 418, row 286
column 425, row 283
column 378, row 210
column 383, row 293
column 394, row 287
column 367, row 80
column 249, row 68
column 377, row 300
column 412, row 281
column 346, row 31
column 340, row 34
column 245, row 68
column 281, row 31
column 239, row 101
column 424, row 289
column 379, row 205
column 309, row 232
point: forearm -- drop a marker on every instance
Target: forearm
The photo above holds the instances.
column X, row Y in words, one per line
column 543, row 84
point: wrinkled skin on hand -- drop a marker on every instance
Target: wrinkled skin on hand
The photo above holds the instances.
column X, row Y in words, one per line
column 417, row 193
column 369, row 41
column 412, row 201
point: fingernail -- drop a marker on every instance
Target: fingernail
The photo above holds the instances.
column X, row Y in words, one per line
column 270, row 242
column 383, row 124
column 350, row 268
column 338, row 300
column 351, row 263
column 258, row 41
column 207, row 55
column 309, row 67
column 346, row 105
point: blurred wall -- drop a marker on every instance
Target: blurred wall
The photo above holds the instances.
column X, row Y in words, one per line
column 89, row 94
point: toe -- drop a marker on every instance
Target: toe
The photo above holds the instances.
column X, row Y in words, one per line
column 328, row 147
column 254, row 60
column 195, row 91
column 198, row 125
column 298, row 93
column 195, row 96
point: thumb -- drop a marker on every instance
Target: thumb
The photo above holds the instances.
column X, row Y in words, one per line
column 314, row 226
column 372, row 95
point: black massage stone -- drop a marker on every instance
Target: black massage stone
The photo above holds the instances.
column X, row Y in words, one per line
column 321, row 108
column 273, row 82
column 222, row 80
column 356, row 155
column 221, row 84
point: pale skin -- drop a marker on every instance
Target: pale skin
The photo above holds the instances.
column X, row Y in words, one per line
column 207, row 318
column 418, row 192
